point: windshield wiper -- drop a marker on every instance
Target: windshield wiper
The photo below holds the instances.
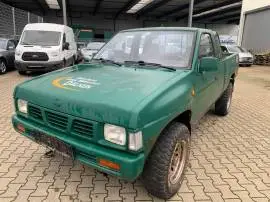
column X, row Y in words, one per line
column 107, row 61
column 143, row 63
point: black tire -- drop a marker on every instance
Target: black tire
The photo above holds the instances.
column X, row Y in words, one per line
column 223, row 104
column 3, row 66
column 22, row 72
column 157, row 171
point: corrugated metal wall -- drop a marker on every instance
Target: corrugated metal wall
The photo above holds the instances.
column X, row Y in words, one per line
column 256, row 35
column 20, row 19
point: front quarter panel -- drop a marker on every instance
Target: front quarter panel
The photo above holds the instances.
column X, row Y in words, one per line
column 162, row 107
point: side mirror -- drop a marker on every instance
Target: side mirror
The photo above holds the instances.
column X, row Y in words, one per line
column 93, row 54
column 65, row 46
column 208, row 64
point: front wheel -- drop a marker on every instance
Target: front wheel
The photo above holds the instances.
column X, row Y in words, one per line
column 164, row 170
column 3, row 67
column 223, row 104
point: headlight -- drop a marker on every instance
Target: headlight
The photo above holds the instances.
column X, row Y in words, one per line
column 17, row 52
column 135, row 141
column 22, row 106
column 115, row 134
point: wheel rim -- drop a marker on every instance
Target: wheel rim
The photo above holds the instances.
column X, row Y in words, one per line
column 178, row 161
column 3, row 67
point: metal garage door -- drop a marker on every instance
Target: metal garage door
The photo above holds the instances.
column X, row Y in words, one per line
column 256, row 35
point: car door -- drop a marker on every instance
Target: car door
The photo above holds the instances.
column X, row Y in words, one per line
column 206, row 85
column 11, row 51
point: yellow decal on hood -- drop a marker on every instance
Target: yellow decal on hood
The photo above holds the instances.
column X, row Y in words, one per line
column 74, row 83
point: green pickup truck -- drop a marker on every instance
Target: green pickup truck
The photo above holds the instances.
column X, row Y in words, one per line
column 129, row 112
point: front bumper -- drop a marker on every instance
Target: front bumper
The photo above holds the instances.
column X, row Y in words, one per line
column 38, row 66
column 131, row 165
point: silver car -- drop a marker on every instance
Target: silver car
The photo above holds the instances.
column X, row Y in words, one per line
column 245, row 57
column 90, row 50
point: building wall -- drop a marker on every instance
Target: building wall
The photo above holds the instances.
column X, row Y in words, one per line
column 12, row 27
column 248, row 5
column 103, row 23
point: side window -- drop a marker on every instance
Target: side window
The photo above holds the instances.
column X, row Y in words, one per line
column 218, row 46
column 206, row 46
column 11, row 45
column 64, row 38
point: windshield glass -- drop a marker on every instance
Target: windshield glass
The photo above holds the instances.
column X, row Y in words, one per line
column 235, row 49
column 3, row 44
column 41, row 38
column 168, row 48
column 94, row 46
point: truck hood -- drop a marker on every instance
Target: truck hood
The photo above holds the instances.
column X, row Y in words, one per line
column 98, row 92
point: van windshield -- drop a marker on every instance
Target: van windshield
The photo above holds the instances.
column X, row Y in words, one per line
column 41, row 38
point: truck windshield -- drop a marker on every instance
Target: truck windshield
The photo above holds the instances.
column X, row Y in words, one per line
column 41, row 38
column 3, row 44
column 167, row 48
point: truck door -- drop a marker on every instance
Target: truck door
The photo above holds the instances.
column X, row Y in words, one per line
column 206, row 84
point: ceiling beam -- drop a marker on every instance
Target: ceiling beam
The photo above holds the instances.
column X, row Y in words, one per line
column 152, row 6
column 226, row 17
column 179, row 8
column 127, row 6
column 234, row 21
column 40, row 6
column 220, row 12
column 98, row 3
column 208, row 8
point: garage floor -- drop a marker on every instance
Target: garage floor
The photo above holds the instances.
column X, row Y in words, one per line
column 230, row 158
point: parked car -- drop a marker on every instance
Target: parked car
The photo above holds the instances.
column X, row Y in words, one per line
column 245, row 57
column 7, row 54
column 91, row 49
column 129, row 112
column 45, row 47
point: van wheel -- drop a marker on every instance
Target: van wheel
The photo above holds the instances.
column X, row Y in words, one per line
column 223, row 104
column 3, row 66
column 164, row 170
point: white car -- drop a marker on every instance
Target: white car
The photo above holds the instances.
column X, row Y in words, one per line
column 90, row 50
column 45, row 47
column 245, row 57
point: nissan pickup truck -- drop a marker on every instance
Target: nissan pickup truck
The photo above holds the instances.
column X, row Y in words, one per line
column 130, row 111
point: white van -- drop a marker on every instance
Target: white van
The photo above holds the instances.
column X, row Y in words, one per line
column 45, row 47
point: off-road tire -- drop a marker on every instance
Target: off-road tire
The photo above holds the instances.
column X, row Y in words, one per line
column 223, row 104
column 3, row 69
column 155, row 175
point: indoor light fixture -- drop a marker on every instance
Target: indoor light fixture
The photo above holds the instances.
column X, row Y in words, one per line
column 139, row 6
column 53, row 4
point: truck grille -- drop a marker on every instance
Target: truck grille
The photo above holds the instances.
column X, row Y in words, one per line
column 57, row 120
column 35, row 56
column 35, row 112
column 82, row 128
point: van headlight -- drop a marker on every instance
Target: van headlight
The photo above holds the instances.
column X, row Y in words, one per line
column 22, row 106
column 18, row 52
column 115, row 134
column 54, row 54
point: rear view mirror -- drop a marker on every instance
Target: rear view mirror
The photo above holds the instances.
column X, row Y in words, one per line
column 208, row 64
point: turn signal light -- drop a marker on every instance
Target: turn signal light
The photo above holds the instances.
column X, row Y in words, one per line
column 109, row 164
column 21, row 128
